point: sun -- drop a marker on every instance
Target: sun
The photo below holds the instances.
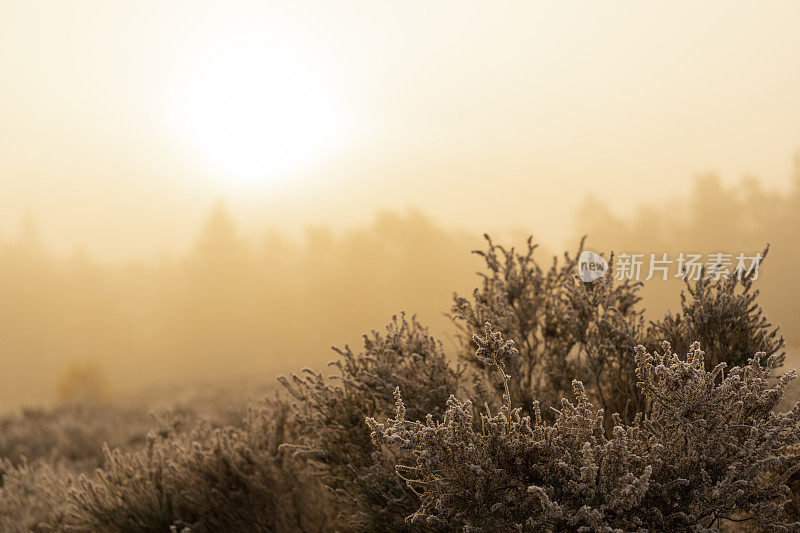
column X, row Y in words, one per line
column 256, row 112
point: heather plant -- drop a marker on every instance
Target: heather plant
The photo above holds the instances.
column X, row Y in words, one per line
column 711, row 450
column 724, row 315
column 713, row 216
column 74, row 433
column 33, row 495
column 604, row 325
column 564, row 328
column 213, row 479
column 43, row 451
column 519, row 297
column 568, row 329
column 333, row 413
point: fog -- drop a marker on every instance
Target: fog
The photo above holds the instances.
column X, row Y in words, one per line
column 201, row 190
column 237, row 304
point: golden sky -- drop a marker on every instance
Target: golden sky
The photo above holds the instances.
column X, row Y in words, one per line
column 121, row 122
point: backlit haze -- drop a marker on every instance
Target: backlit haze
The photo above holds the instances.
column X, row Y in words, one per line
column 121, row 122
column 192, row 186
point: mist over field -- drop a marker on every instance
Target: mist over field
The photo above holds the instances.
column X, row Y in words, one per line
column 236, row 304
column 422, row 267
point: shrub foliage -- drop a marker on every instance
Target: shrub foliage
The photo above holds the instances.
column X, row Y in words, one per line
column 333, row 413
column 711, row 449
column 560, row 408
column 223, row 479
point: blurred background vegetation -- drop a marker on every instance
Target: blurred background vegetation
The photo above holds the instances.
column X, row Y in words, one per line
column 240, row 306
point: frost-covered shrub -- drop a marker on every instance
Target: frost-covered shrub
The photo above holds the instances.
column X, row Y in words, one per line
column 564, row 329
column 604, row 324
column 223, row 479
column 332, row 412
column 402, row 438
column 74, row 433
column 711, row 450
column 724, row 316
column 520, row 298
column 33, row 495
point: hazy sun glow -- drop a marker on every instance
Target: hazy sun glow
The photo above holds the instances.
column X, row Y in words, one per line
column 255, row 112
